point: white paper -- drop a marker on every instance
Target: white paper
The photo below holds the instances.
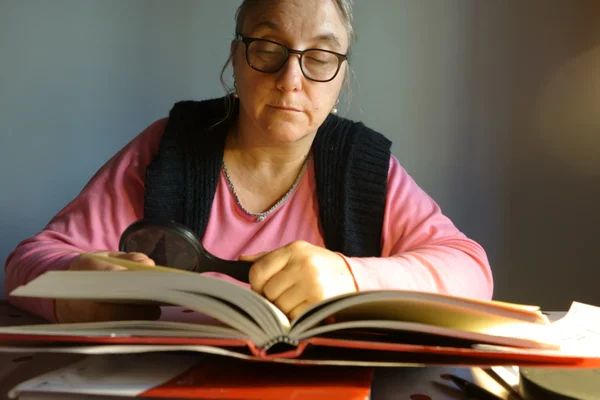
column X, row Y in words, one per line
column 578, row 332
column 110, row 374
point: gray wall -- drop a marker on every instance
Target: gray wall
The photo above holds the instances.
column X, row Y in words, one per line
column 492, row 106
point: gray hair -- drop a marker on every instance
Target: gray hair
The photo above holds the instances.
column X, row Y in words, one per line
column 344, row 6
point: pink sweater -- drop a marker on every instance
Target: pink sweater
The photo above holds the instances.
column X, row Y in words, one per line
column 422, row 249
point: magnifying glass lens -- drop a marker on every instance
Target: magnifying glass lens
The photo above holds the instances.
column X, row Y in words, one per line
column 171, row 244
column 164, row 246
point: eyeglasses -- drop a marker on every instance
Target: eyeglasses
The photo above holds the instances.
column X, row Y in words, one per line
column 269, row 57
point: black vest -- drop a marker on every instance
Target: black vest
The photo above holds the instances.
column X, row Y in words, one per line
column 351, row 171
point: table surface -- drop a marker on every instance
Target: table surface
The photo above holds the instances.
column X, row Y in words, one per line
column 389, row 383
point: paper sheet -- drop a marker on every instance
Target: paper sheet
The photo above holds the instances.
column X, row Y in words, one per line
column 578, row 332
column 110, row 374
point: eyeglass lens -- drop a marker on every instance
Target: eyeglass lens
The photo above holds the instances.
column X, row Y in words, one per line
column 269, row 57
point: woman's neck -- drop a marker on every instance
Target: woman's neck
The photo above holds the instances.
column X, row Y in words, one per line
column 264, row 156
column 260, row 171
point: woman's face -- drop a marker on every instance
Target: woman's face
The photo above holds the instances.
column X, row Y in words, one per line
column 286, row 106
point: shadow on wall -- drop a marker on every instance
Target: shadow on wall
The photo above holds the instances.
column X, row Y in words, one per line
column 554, row 187
column 567, row 121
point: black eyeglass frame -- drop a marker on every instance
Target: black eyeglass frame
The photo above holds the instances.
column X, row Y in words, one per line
column 247, row 40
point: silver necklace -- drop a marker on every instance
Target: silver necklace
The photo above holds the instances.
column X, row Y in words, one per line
column 263, row 215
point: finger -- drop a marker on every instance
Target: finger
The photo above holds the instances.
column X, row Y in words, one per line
column 295, row 313
column 281, row 282
column 137, row 257
column 291, row 299
column 125, row 312
column 113, row 254
column 267, row 266
column 66, row 311
column 252, row 257
column 105, row 259
column 86, row 262
column 131, row 256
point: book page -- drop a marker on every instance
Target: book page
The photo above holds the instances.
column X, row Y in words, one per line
column 429, row 308
column 578, row 332
column 142, row 285
column 275, row 313
column 116, row 329
column 400, row 331
column 530, row 312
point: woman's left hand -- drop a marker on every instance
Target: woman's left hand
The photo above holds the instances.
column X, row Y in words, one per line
column 298, row 275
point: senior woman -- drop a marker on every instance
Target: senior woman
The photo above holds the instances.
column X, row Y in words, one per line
column 267, row 174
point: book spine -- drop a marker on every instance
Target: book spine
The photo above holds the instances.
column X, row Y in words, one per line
column 279, row 340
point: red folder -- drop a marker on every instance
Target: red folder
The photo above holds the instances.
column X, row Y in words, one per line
column 317, row 350
column 224, row 378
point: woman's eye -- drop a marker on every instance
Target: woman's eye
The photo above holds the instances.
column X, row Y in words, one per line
column 317, row 60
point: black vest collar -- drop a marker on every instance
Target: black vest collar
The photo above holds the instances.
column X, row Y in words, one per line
column 351, row 170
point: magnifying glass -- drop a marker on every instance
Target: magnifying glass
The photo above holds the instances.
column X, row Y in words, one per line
column 174, row 245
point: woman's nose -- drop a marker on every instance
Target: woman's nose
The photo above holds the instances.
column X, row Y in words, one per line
column 291, row 76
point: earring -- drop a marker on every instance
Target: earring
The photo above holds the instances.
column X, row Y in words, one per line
column 235, row 95
column 335, row 110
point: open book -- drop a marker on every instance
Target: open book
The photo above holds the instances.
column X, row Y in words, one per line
column 359, row 327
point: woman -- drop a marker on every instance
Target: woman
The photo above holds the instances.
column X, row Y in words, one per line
column 316, row 202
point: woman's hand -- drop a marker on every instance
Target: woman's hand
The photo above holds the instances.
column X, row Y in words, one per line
column 91, row 311
column 298, row 275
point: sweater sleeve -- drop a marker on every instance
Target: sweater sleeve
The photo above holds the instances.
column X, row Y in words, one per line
column 422, row 249
column 93, row 221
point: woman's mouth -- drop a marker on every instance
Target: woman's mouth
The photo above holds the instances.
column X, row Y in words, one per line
column 286, row 108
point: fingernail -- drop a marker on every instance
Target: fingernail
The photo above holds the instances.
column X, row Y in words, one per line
column 262, row 253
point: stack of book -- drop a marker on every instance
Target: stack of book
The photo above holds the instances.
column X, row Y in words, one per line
column 372, row 328
column 359, row 330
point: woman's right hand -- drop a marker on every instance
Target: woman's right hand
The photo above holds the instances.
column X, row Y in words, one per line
column 91, row 311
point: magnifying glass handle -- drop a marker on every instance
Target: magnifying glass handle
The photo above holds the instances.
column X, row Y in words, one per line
column 239, row 270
